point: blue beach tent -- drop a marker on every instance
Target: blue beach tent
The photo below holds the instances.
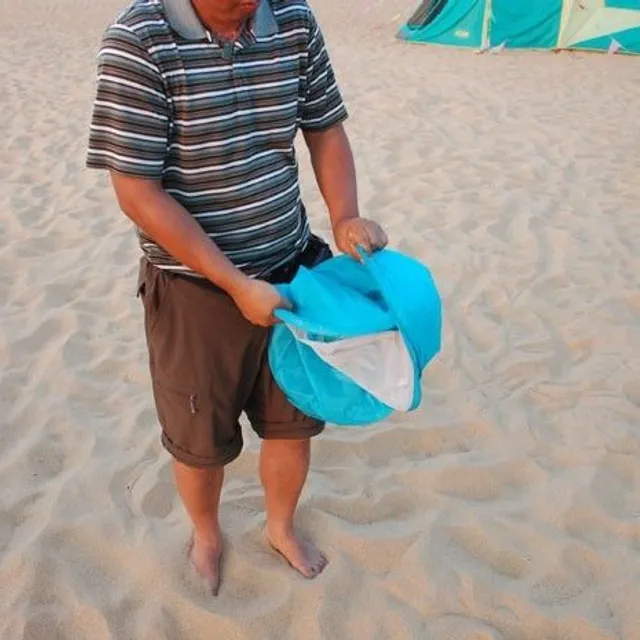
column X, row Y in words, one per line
column 595, row 25
column 353, row 348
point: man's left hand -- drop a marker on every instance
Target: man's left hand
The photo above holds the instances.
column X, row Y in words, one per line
column 352, row 233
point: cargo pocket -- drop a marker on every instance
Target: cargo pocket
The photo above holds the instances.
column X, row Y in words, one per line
column 176, row 405
column 192, row 431
column 184, row 421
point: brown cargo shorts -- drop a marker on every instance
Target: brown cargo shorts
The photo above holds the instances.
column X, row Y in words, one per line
column 208, row 365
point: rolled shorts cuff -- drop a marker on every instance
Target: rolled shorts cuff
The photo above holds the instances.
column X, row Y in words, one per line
column 299, row 430
column 223, row 456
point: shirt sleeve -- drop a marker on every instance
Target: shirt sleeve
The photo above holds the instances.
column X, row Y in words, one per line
column 321, row 105
column 130, row 118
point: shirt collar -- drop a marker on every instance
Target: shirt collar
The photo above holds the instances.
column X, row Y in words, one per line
column 183, row 19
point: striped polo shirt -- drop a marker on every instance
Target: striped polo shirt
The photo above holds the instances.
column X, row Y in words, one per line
column 215, row 121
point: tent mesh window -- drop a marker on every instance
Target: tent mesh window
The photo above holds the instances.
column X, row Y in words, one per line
column 426, row 13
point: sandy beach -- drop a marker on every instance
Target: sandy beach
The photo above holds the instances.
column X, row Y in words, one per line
column 506, row 508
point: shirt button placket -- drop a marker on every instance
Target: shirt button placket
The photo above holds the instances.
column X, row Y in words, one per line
column 239, row 82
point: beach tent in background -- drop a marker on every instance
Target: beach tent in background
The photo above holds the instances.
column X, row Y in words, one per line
column 596, row 25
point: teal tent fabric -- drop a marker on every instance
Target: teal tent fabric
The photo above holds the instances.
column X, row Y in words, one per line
column 629, row 40
column 456, row 23
column 514, row 23
column 354, row 347
column 623, row 4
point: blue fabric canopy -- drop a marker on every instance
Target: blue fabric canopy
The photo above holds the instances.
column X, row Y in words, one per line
column 353, row 348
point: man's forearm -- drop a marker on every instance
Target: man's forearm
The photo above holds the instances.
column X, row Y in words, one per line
column 335, row 172
column 166, row 222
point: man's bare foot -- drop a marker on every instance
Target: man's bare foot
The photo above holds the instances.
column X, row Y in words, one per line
column 301, row 554
column 205, row 558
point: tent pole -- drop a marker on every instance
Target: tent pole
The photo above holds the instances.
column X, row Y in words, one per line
column 486, row 25
column 567, row 8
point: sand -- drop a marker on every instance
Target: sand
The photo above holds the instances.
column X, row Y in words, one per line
column 506, row 508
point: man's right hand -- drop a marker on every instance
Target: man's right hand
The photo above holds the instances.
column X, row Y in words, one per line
column 257, row 301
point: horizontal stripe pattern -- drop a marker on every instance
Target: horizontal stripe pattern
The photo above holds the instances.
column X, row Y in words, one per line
column 218, row 130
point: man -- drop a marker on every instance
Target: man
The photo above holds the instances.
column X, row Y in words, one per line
column 197, row 107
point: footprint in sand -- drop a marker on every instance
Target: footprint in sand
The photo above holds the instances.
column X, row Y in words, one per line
column 147, row 490
column 480, row 484
column 486, row 548
column 390, row 507
column 615, row 484
column 632, row 392
column 556, row 588
column 47, row 457
column 586, row 521
column 158, row 500
column 454, row 627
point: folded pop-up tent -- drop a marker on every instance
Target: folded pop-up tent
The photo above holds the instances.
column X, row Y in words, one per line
column 353, row 348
